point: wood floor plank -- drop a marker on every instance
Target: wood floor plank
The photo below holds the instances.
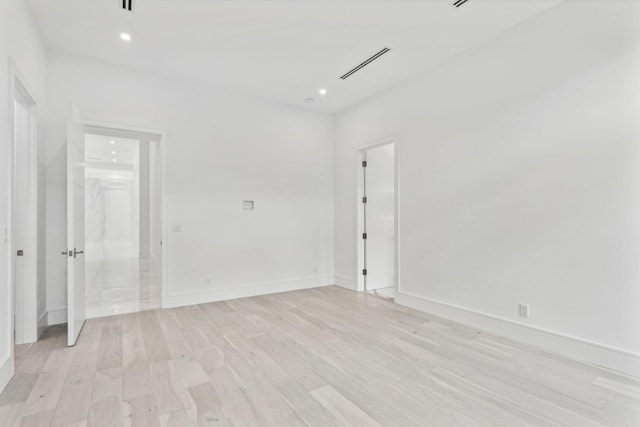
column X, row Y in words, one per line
column 136, row 375
column 110, row 350
column 106, row 412
column 318, row 357
column 154, row 342
column 142, row 411
column 166, row 388
column 45, row 394
column 342, row 408
column 40, row 419
column 10, row 413
column 209, row 406
column 75, row 399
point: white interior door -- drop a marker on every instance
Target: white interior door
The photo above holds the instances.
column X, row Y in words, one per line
column 20, row 189
column 380, row 218
column 24, row 220
column 75, row 227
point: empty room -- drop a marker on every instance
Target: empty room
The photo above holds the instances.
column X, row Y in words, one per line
column 319, row 213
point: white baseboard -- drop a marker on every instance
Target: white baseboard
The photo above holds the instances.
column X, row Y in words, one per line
column 201, row 296
column 6, row 372
column 43, row 323
column 573, row 347
column 346, row 282
column 56, row 316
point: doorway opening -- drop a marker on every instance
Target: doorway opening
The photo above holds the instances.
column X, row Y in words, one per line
column 377, row 218
column 123, row 257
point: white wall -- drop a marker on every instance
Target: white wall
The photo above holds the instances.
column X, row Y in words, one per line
column 19, row 40
column 222, row 148
column 519, row 182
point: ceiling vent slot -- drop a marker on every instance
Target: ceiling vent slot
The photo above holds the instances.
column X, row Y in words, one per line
column 127, row 5
column 459, row 3
column 365, row 63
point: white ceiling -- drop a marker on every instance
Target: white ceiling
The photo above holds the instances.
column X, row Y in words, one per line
column 281, row 50
column 99, row 152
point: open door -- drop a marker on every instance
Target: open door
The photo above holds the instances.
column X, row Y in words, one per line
column 75, row 227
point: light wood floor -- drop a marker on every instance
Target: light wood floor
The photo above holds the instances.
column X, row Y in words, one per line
column 321, row 357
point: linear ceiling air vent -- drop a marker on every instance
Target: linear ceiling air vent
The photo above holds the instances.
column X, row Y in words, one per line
column 365, row 63
column 127, row 5
column 459, row 3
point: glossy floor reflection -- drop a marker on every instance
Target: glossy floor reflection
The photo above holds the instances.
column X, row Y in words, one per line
column 118, row 281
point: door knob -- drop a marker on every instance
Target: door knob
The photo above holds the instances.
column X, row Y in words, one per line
column 77, row 252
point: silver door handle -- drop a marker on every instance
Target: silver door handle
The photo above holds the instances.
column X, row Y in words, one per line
column 77, row 252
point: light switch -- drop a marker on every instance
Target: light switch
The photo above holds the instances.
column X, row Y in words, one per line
column 177, row 228
column 247, row 205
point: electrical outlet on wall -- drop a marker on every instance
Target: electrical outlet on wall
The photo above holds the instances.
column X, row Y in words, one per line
column 523, row 310
column 208, row 281
column 315, row 270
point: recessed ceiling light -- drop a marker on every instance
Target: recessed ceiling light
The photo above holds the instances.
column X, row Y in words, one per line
column 114, row 160
column 322, row 91
column 113, row 152
column 125, row 36
column 112, row 142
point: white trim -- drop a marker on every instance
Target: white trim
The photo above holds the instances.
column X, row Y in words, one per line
column 360, row 150
column 6, row 372
column 570, row 346
column 346, row 282
column 201, row 296
column 56, row 316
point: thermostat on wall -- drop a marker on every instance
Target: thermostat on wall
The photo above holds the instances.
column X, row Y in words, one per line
column 247, row 205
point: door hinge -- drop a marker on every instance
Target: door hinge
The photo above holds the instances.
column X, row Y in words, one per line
column 364, row 272
column 364, row 236
column 20, row 252
column 364, row 163
column 364, row 200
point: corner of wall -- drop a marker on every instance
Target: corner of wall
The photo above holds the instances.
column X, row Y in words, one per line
column 56, row 316
column 202, row 296
column 346, row 282
column 43, row 323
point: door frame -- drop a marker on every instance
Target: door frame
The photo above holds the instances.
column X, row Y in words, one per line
column 162, row 145
column 359, row 154
column 28, row 325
